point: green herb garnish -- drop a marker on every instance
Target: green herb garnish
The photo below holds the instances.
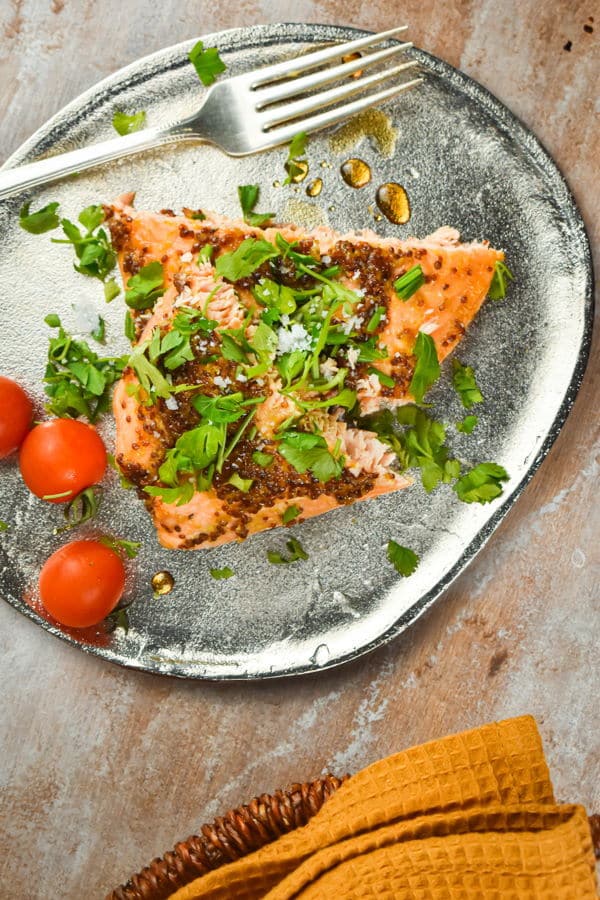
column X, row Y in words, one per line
column 99, row 332
column 296, row 154
column 405, row 561
column 4, row 526
column 130, row 549
column 291, row 513
column 427, row 369
column 207, row 63
column 498, row 283
column 409, row 283
column 45, row 219
column 295, row 549
column 206, row 254
column 220, row 574
column 95, row 255
column 77, row 380
column 248, row 257
column 306, row 451
column 463, row 379
column 481, row 484
column 248, row 194
column 467, row 425
column 385, row 380
column 144, row 288
column 127, row 124
column 242, row 484
column 375, row 319
column 111, row 290
column 262, row 459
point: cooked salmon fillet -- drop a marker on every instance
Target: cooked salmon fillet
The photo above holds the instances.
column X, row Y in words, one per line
column 233, row 416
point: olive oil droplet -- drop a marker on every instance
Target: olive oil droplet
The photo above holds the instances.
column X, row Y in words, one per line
column 350, row 57
column 162, row 583
column 356, row 172
column 393, row 202
column 315, row 187
column 297, row 170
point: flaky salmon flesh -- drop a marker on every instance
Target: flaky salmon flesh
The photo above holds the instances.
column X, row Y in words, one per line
column 258, row 351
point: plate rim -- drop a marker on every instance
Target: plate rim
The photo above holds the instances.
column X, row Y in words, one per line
column 262, row 34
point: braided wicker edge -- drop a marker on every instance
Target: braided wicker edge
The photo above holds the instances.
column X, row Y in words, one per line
column 237, row 833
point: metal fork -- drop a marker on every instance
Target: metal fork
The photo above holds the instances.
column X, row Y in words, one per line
column 251, row 112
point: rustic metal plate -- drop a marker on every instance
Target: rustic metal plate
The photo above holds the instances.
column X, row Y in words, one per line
column 465, row 161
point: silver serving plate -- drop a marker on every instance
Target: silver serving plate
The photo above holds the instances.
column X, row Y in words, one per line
column 465, row 161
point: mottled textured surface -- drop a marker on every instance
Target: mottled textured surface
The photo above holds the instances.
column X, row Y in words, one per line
column 111, row 767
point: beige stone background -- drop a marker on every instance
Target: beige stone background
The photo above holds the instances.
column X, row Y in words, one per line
column 101, row 769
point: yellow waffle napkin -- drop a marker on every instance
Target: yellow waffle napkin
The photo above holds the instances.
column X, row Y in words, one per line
column 468, row 817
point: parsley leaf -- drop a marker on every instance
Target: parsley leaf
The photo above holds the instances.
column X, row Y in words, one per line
column 45, row 219
column 219, row 574
column 427, row 369
column 296, row 155
column 220, row 409
column 242, row 262
column 180, row 494
column 248, row 194
column 242, row 484
column 4, row 526
column 498, row 284
column 99, row 332
column 463, row 379
column 295, row 549
column 127, row 124
column 206, row 254
column 405, row 561
column 207, row 63
column 291, row 513
column 262, row 459
column 481, row 484
column 467, row 425
column 93, row 249
column 130, row 549
column 77, row 380
column 144, row 288
column 111, row 290
column 306, row 451
column 409, row 283
column 423, row 443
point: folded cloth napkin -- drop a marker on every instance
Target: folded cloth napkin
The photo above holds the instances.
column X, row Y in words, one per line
column 471, row 816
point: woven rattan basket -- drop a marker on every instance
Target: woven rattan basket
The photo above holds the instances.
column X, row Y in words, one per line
column 239, row 832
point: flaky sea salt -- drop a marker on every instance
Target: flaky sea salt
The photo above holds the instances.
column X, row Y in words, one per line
column 296, row 338
column 186, row 257
column 171, row 403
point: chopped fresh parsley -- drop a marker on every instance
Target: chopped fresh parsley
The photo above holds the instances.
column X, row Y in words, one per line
column 240, row 263
column 81, row 509
column 180, row 494
column 309, row 452
column 127, row 124
column 111, row 290
column 95, row 255
column 77, row 380
column 206, row 254
column 99, row 332
column 242, row 484
column 130, row 549
column 463, row 379
column 405, row 561
column 499, row 284
column 207, row 63
column 427, row 369
column 291, row 513
column 220, row 574
column 424, row 446
column 375, row 319
column 261, row 459
column 467, row 425
column 144, row 288
column 45, row 219
column 129, row 328
column 296, row 155
column 248, row 194
column 4, row 526
column 409, row 283
column 482, row 483
column 295, row 549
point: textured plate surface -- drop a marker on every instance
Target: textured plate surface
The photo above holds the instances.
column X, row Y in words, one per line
column 465, row 161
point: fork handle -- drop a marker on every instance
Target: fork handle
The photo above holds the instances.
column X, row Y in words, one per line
column 55, row 167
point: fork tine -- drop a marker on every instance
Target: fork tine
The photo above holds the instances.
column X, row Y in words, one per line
column 314, row 123
column 276, row 115
column 299, row 85
column 310, row 60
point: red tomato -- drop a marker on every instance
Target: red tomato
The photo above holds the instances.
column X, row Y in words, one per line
column 81, row 583
column 16, row 412
column 61, row 458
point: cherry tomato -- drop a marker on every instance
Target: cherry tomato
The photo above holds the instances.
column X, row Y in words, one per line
column 61, row 458
column 81, row 583
column 16, row 412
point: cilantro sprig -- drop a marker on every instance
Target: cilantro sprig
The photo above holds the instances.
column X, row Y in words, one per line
column 145, row 287
column 207, row 63
column 248, row 195
column 482, row 483
column 243, row 261
column 44, row 219
column 95, row 255
column 306, row 451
